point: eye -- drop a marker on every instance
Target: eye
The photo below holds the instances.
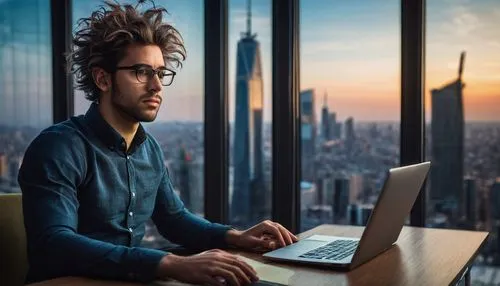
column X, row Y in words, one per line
column 162, row 74
column 142, row 71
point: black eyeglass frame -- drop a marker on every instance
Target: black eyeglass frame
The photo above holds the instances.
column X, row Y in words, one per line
column 151, row 74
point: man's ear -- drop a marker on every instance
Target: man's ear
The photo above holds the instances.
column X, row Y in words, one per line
column 102, row 79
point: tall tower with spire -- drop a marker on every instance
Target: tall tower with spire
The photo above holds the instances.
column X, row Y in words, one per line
column 447, row 130
column 248, row 186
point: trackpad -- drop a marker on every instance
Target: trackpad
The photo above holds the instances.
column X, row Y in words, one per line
column 296, row 249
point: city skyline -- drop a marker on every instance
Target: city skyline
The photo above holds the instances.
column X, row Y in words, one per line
column 350, row 69
column 351, row 81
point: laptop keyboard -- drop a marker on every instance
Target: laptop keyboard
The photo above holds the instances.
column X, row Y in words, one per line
column 336, row 250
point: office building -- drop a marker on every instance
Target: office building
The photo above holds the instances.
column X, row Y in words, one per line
column 249, row 187
column 335, row 127
column 197, row 186
column 349, row 134
column 308, row 135
column 183, row 176
column 325, row 190
column 325, row 119
column 470, row 200
column 341, row 197
column 352, row 214
column 364, row 212
column 356, row 185
column 447, row 137
column 495, row 200
column 308, row 195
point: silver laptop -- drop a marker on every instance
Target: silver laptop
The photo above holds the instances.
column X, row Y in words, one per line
column 400, row 190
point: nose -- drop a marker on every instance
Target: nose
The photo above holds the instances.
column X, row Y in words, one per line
column 155, row 84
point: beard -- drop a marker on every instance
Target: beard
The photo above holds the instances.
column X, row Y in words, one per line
column 135, row 111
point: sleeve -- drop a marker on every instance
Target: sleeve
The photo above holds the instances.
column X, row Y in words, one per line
column 53, row 167
column 180, row 226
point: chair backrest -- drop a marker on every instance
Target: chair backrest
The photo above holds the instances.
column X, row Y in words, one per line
column 13, row 253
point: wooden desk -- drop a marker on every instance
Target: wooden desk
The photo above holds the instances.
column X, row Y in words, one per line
column 422, row 256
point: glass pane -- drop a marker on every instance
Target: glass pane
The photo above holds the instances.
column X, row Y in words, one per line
column 350, row 107
column 250, row 173
column 179, row 126
column 25, row 82
column 463, row 130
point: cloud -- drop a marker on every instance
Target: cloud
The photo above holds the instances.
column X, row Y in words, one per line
column 327, row 46
column 461, row 21
column 495, row 44
column 496, row 12
column 373, row 43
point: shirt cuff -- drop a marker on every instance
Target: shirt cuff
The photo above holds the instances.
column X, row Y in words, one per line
column 218, row 237
column 144, row 266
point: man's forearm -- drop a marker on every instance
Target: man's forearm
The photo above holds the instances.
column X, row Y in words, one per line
column 190, row 230
column 66, row 253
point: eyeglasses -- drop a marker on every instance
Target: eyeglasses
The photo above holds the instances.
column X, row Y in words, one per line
column 145, row 73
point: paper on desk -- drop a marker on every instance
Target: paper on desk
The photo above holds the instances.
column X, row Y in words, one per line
column 268, row 272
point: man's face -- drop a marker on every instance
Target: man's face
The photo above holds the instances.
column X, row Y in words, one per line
column 138, row 100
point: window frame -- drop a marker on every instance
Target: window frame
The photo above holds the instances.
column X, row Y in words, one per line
column 286, row 105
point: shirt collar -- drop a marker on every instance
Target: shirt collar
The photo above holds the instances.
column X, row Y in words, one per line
column 108, row 135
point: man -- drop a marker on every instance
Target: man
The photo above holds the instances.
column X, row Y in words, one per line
column 90, row 183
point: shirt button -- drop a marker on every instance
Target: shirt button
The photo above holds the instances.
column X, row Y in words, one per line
column 130, row 230
column 133, row 195
column 128, row 157
column 130, row 213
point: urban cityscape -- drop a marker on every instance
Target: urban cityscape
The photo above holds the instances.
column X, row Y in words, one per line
column 344, row 159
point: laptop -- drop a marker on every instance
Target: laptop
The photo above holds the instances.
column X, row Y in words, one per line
column 401, row 188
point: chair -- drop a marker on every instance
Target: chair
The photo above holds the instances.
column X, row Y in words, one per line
column 13, row 253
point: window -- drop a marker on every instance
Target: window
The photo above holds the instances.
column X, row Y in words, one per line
column 463, row 134
column 350, row 107
column 250, row 112
column 179, row 125
column 25, row 82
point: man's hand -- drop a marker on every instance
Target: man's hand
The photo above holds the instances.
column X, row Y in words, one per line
column 262, row 237
column 212, row 267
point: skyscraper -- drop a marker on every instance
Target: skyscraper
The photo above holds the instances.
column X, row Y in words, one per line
column 494, row 199
column 349, row 133
column 470, row 201
column 248, row 190
column 341, row 197
column 447, row 131
column 335, row 127
column 308, row 135
column 183, row 176
column 325, row 120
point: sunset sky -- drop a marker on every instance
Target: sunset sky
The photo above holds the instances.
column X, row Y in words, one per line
column 351, row 50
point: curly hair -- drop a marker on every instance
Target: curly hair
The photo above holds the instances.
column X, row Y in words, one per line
column 104, row 36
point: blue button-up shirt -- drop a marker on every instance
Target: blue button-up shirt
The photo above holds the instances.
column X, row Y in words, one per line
column 86, row 201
